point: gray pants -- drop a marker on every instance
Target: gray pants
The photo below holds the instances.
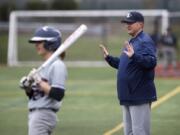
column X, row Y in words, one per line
column 41, row 122
column 136, row 119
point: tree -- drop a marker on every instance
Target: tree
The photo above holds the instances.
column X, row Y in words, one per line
column 5, row 11
column 64, row 5
column 36, row 5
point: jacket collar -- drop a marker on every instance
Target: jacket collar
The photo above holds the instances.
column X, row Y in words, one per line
column 139, row 33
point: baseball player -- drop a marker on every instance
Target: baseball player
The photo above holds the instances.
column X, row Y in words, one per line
column 45, row 89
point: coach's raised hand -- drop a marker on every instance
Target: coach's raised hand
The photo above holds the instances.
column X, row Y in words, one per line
column 104, row 50
column 129, row 49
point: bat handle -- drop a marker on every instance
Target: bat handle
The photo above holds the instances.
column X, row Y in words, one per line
column 39, row 69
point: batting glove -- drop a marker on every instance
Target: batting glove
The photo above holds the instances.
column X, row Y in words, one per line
column 25, row 82
column 34, row 75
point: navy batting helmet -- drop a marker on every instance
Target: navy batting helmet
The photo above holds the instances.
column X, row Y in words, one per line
column 50, row 36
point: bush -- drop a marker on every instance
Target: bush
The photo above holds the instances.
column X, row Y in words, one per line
column 36, row 5
column 5, row 11
column 64, row 5
column 3, row 48
column 53, row 5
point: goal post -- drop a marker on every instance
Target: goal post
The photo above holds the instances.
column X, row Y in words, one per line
column 83, row 15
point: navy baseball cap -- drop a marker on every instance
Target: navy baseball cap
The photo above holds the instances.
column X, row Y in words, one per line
column 133, row 17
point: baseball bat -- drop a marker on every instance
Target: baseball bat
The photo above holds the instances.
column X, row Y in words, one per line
column 66, row 44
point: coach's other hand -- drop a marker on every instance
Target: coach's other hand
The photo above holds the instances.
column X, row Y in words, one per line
column 104, row 50
column 129, row 49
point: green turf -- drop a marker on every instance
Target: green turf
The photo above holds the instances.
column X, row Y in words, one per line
column 90, row 106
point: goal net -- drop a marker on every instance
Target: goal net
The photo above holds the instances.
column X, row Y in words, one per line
column 104, row 26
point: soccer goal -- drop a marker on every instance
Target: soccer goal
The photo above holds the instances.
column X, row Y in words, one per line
column 104, row 26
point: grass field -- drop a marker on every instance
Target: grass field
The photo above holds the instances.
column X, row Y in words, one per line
column 90, row 106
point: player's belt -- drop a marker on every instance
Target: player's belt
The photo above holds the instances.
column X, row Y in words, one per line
column 36, row 109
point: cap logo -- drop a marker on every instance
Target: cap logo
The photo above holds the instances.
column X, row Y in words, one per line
column 45, row 28
column 128, row 15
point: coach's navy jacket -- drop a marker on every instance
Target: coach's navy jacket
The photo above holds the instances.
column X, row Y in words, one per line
column 135, row 76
